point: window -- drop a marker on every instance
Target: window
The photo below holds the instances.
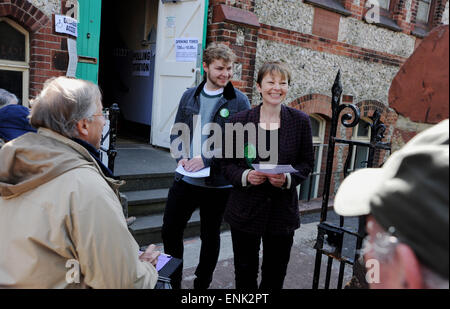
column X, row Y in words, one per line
column 384, row 4
column 423, row 11
column 14, row 59
column 360, row 154
column 310, row 187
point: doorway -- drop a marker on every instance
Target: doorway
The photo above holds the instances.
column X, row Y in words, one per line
column 127, row 58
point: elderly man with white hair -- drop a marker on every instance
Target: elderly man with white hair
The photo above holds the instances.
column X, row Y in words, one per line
column 407, row 207
column 61, row 222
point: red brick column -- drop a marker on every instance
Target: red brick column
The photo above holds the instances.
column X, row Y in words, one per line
column 233, row 23
column 357, row 10
column 439, row 11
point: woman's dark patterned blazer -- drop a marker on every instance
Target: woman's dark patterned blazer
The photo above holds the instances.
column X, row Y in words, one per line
column 265, row 208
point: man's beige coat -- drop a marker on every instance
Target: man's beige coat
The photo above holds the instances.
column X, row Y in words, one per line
column 58, row 211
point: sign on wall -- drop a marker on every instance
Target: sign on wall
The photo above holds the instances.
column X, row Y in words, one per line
column 67, row 25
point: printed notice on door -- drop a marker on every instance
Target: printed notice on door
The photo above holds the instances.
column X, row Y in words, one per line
column 186, row 49
column 141, row 62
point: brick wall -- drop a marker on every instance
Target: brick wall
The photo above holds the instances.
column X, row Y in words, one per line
column 48, row 50
column 231, row 24
column 322, row 44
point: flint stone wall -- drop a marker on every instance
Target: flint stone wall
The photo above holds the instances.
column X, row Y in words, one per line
column 48, row 7
column 314, row 72
column 361, row 34
column 287, row 14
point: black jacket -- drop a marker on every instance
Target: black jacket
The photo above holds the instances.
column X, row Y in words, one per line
column 233, row 100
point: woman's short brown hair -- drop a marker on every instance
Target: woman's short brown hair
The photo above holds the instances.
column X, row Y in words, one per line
column 218, row 51
column 274, row 67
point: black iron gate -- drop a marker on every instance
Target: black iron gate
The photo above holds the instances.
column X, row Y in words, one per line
column 113, row 116
column 330, row 237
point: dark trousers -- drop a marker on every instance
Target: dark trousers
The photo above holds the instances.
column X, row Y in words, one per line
column 276, row 254
column 183, row 199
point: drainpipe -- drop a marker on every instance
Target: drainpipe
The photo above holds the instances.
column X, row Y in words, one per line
column 205, row 30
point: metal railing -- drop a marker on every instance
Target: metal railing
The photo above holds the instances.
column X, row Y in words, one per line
column 330, row 237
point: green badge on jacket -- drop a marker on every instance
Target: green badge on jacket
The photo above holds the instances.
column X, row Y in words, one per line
column 224, row 112
column 249, row 154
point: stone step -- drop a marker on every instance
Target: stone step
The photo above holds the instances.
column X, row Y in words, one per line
column 142, row 182
column 146, row 202
column 147, row 229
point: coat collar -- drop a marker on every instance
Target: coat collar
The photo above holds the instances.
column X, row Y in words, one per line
column 283, row 133
column 256, row 112
column 228, row 91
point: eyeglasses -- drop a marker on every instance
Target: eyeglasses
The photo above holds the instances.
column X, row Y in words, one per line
column 380, row 245
column 104, row 114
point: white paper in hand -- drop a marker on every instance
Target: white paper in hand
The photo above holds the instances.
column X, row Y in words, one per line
column 274, row 169
column 199, row 174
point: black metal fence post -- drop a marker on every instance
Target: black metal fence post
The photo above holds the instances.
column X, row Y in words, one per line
column 330, row 237
column 112, row 152
column 336, row 109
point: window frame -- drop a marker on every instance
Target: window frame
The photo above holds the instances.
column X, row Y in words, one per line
column 355, row 137
column 19, row 66
column 421, row 29
column 317, row 141
column 431, row 8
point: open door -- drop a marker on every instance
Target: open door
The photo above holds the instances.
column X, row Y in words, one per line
column 88, row 39
column 180, row 19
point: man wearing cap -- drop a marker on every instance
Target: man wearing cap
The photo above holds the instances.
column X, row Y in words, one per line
column 13, row 118
column 406, row 203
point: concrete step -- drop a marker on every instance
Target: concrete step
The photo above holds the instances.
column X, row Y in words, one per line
column 146, row 202
column 142, row 182
column 147, row 229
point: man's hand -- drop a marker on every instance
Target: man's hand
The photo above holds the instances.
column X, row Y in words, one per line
column 150, row 255
column 256, row 178
column 194, row 164
column 182, row 162
column 277, row 180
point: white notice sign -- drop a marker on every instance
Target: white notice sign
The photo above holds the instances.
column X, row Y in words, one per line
column 73, row 57
column 65, row 24
column 186, row 49
column 141, row 62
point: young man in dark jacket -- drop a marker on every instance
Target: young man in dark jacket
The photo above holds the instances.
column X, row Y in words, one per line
column 202, row 110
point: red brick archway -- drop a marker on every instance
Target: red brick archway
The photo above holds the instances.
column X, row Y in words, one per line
column 23, row 12
column 46, row 46
column 320, row 104
column 313, row 104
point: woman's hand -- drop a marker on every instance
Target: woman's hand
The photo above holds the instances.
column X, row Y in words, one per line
column 277, row 180
column 256, row 178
